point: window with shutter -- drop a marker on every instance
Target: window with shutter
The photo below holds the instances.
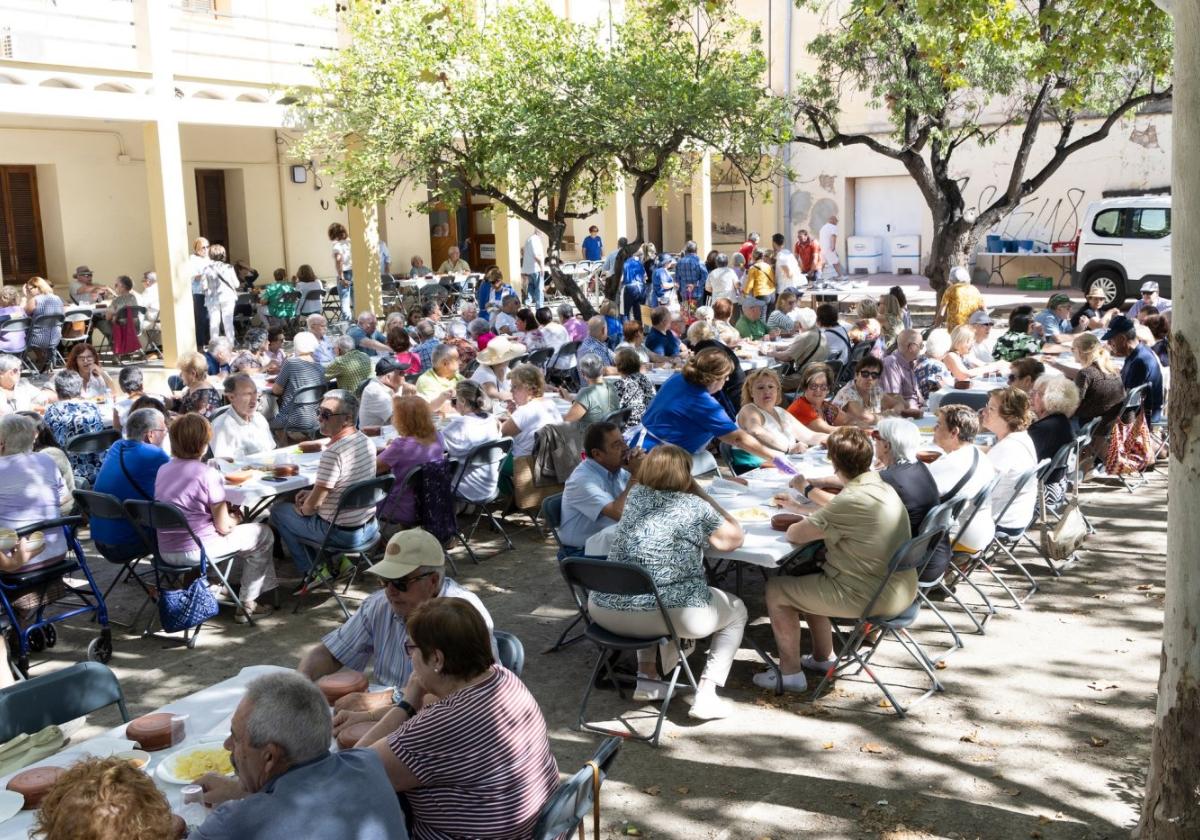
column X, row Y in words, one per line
column 22, row 251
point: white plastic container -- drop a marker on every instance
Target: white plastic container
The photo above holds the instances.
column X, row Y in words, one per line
column 906, row 254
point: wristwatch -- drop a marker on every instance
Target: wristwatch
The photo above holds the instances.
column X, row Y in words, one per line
column 400, row 703
column 808, row 488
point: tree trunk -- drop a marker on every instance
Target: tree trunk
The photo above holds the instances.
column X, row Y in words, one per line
column 562, row 281
column 1171, row 809
column 953, row 243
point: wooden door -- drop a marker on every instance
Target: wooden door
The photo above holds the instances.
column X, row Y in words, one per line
column 210, row 197
column 654, row 227
column 443, row 232
column 22, row 251
column 483, row 236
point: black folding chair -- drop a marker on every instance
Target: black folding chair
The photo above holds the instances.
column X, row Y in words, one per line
column 620, row 417
column 1135, row 399
column 361, row 494
column 75, row 600
column 575, row 798
column 48, row 325
column 413, row 479
column 510, row 650
column 50, row 699
column 850, row 635
column 17, row 326
column 540, row 358
column 585, row 575
column 972, row 401
column 106, row 506
column 158, row 516
column 485, row 456
column 561, row 369
column 302, row 417
column 552, row 513
column 332, row 308
column 134, row 315
column 942, row 518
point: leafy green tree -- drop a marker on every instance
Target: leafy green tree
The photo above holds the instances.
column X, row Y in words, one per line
column 953, row 73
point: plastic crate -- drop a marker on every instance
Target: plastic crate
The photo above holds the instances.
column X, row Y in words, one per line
column 1035, row 283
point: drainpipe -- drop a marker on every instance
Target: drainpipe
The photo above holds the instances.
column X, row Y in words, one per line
column 787, row 149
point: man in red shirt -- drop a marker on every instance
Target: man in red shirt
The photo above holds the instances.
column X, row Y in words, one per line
column 747, row 249
column 808, row 252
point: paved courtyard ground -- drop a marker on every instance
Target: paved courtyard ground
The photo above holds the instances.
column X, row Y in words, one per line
column 1043, row 730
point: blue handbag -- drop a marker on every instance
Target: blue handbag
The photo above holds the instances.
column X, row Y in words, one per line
column 183, row 609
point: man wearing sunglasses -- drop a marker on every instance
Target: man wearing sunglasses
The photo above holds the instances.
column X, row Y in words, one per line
column 411, row 572
column 347, row 459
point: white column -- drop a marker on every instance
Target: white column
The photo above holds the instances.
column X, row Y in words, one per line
column 615, row 223
column 508, row 247
column 702, row 205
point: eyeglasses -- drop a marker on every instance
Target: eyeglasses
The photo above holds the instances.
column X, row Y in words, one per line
column 816, row 387
column 869, row 374
column 402, row 584
column 409, row 647
column 325, row 414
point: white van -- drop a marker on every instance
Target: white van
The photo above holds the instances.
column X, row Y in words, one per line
column 1123, row 243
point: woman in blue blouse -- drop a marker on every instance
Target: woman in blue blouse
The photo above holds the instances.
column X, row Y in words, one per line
column 73, row 415
column 667, row 523
column 685, row 411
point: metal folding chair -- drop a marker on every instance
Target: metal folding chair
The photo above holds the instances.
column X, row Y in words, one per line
column 970, row 400
column 303, row 421
column 49, row 324
column 361, row 494
column 941, row 518
column 159, row 516
column 490, row 454
column 913, row 555
column 77, row 321
column 1134, row 400
column 563, row 375
column 106, row 506
column 540, row 358
column 412, row 480
column 58, row 697
column 620, row 417
column 136, row 313
column 1005, row 543
column 14, row 326
column 552, row 513
column 1056, row 472
column 585, row 575
column 575, row 798
column 977, row 505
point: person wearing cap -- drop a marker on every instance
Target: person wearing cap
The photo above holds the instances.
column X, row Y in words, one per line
column 751, row 324
column 959, row 300
column 241, row 431
column 1055, row 319
column 82, row 288
column 411, row 572
column 1149, row 298
column 1141, row 365
column 375, row 406
column 492, row 373
column 980, row 323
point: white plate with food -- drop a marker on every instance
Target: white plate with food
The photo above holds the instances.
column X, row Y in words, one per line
column 758, row 513
column 11, row 804
column 194, row 760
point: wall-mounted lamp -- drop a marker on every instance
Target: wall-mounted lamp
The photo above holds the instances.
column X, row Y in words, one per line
column 299, row 174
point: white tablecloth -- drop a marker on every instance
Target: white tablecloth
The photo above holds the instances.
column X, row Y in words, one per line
column 981, row 386
column 209, row 711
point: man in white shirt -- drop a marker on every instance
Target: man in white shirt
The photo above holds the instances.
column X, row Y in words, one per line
column 241, row 431
column 149, row 296
column 533, row 267
column 722, row 282
column 787, row 269
column 828, row 240
column 317, row 325
column 375, row 407
column 505, row 322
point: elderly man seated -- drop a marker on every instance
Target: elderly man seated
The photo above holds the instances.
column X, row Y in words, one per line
column 411, row 572
column 596, row 342
column 241, row 431
column 899, row 370
column 15, row 394
column 350, row 367
column 427, row 342
column 129, row 472
column 375, row 408
column 751, row 324
column 288, row 782
column 318, row 325
column 437, row 383
column 594, row 496
column 367, row 338
column 808, row 346
column 660, row 341
column 505, row 322
column 349, row 458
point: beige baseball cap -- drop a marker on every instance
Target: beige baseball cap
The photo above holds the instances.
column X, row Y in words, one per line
column 408, row 551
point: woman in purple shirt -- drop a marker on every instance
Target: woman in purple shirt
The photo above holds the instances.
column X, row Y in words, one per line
column 198, row 491
column 418, row 443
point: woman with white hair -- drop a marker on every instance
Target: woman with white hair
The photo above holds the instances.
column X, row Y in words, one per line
column 300, row 371
column 958, row 359
column 1054, row 399
column 220, row 293
column 15, row 395
column 959, row 300
column 931, row 371
column 74, row 415
column 596, row 399
column 31, row 492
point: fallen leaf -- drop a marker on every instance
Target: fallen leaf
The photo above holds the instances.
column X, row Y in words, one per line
column 940, row 664
column 682, row 790
column 1012, row 792
column 828, row 745
column 1097, row 685
column 885, row 703
column 1099, row 742
column 1043, row 820
column 1035, row 833
column 653, row 790
column 872, row 747
column 971, row 737
column 1101, row 597
column 1143, row 587
column 632, row 830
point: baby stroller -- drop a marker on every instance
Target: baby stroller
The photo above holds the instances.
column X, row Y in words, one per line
column 39, row 633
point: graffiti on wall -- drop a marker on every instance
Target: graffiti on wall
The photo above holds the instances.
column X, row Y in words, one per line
column 1041, row 218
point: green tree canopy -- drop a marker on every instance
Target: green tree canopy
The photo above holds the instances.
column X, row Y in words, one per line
column 956, row 72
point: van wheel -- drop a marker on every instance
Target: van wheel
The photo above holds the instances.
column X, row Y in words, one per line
column 1110, row 283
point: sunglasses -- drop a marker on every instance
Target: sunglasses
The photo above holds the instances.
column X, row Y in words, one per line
column 869, row 374
column 325, row 414
column 402, row 584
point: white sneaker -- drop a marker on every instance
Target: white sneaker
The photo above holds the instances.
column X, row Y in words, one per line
column 791, row 682
column 819, row 665
column 710, row 707
column 649, row 690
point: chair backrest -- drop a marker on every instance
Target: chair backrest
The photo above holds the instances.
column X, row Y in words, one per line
column 366, row 493
column 1056, row 467
column 1134, row 397
column 60, row 696
column 974, row 401
column 511, row 651
column 552, row 513
column 149, row 517
column 14, row 325
column 620, row 417
column 595, row 574
column 47, row 324
column 912, row 555
column 77, row 317
column 574, row 799
column 973, row 507
column 92, row 442
column 566, row 351
column 1023, row 479
column 539, row 357
column 942, row 516
column 484, row 455
column 310, row 394
column 123, row 317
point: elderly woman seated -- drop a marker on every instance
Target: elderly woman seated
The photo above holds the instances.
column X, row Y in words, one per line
column 686, row 412
column 930, row 370
column 1054, row 400
column 473, row 426
column 860, row 402
column 958, row 359
column 418, row 442
column 862, row 527
column 199, row 492
column 667, row 524
column 596, row 399
column 636, row 392
column 762, row 415
column 467, row 745
column 1024, row 372
column 252, row 358
column 529, row 411
column 73, row 415
column 299, row 372
column 812, row 406
column 198, row 395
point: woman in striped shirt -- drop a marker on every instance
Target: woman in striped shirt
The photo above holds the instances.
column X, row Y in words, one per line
column 469, row 748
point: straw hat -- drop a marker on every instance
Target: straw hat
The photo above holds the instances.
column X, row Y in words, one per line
column 501, row 349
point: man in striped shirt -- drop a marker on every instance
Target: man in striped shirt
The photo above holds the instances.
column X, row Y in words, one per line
column 349, row 458
column 411, row 572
